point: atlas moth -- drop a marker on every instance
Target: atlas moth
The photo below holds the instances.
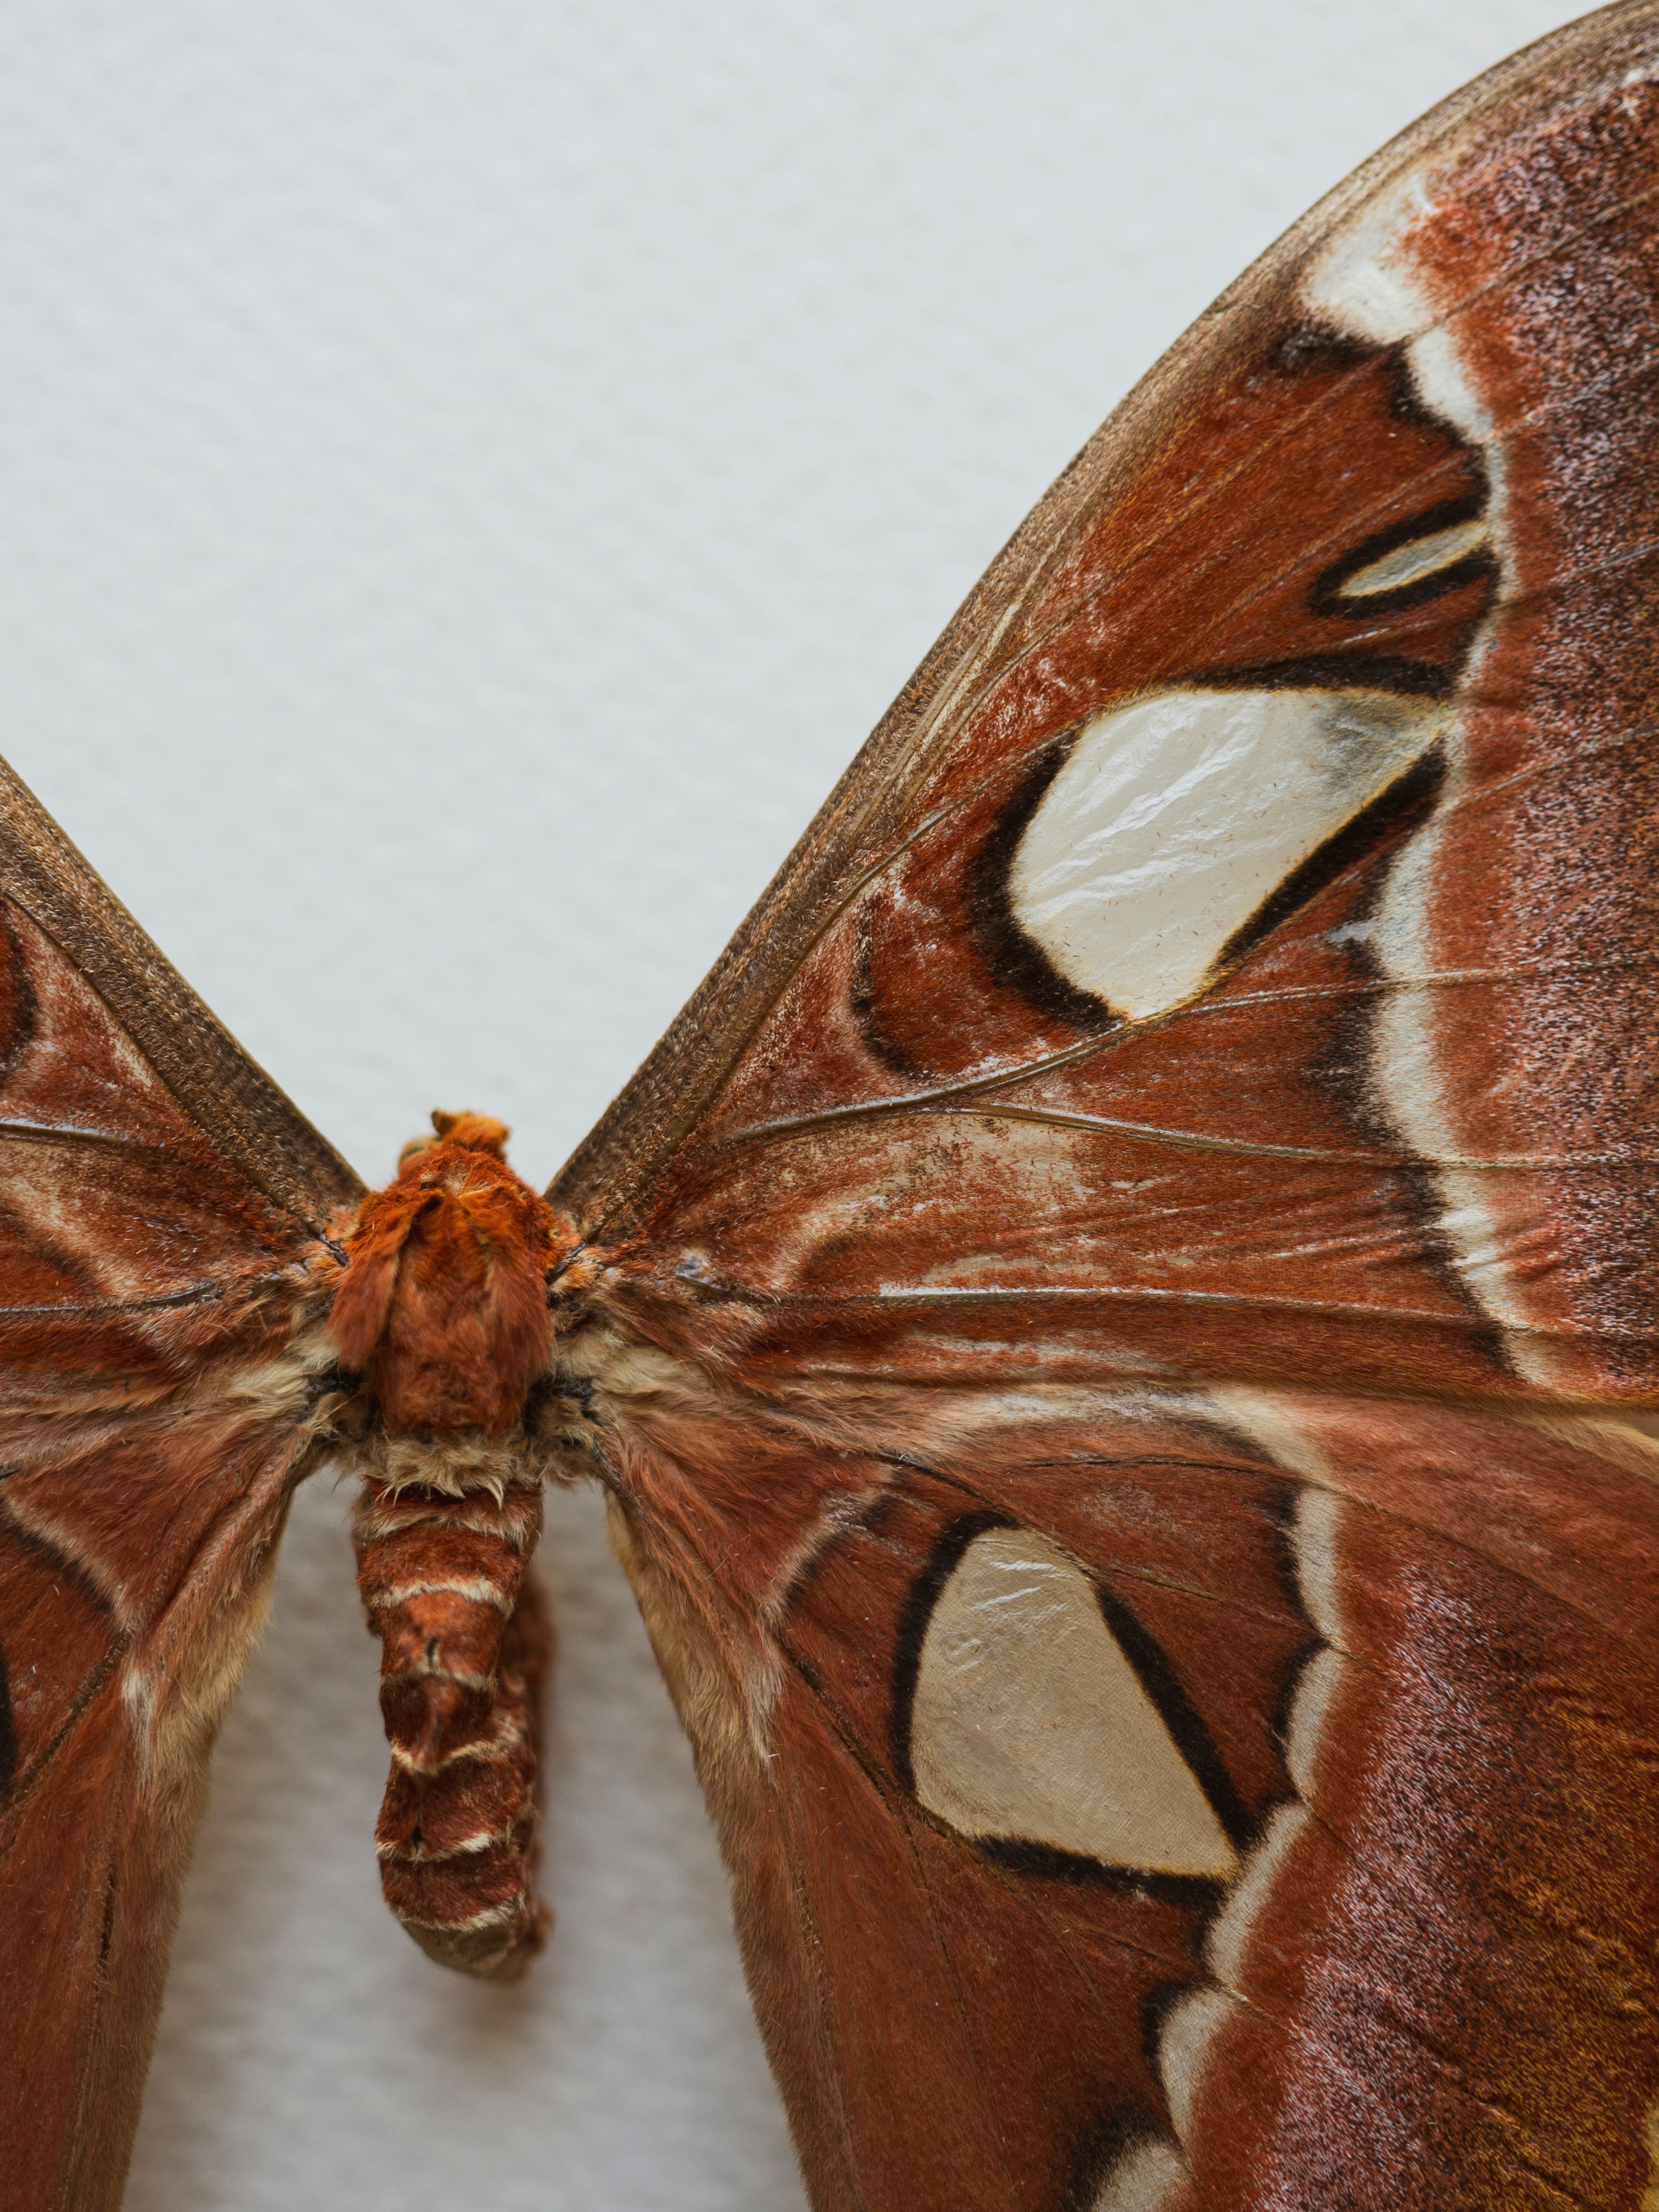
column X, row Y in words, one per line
column 1109, row 1329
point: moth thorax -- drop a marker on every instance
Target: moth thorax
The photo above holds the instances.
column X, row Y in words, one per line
column 443, row 1309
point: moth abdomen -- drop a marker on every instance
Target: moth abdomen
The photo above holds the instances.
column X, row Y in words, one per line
column 465, row 1643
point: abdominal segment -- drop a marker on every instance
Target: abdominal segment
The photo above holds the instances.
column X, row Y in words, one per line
column 466, row 1640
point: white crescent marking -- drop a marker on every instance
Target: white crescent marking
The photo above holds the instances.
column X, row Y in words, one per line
column 1367, row 282
column 1143, row 2180
column 1421, row 556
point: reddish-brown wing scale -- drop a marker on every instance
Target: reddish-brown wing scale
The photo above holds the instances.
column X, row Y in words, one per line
column 158, row 1359
column 1191, row 1095
column 1156, row 1775
column 1410, row 1655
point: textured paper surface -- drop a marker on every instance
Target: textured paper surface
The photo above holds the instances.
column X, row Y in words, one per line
column 471, row 476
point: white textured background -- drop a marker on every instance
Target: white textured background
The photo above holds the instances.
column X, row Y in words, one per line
column 471, row 472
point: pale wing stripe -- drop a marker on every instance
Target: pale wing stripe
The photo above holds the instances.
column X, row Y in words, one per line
column 957, row 699
column 1204, row 1141
column 54, row 1132
column 901, row 1294
column 1179, row 516
column 1211, row 1007
column 1419, row 557
column 1144, row 2178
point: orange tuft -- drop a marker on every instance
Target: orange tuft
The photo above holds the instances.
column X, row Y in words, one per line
column 442, row 1309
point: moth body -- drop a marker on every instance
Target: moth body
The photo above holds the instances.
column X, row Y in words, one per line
column 442, row 1316
column 466, row 1643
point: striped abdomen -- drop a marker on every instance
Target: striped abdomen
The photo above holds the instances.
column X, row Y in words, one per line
column 440, row 1319
column 465, row 1642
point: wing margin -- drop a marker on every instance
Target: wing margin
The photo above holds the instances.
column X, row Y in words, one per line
column 225, row 1092
column 661, row 1105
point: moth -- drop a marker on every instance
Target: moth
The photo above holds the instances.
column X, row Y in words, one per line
column 1110, row 1328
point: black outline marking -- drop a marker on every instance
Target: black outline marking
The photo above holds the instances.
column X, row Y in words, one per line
column 1328, row 596
column 61, row 1562
column 867, row 1523
column 1103, row 2149
column 1308, row 348
column 1311, row 345
column 1336, row 671
column 1013, row 959
column 925, row 1594
column 861, row 1002
column 107, row 1929
column 203, row 1294
column 1013, row 956
column 1155, row 2009
column 1402, row 807
column 1196, row 1892
column 1178, row 1714
column 1192, row 1740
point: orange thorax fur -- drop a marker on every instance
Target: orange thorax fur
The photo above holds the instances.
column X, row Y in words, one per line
column 442, row 1309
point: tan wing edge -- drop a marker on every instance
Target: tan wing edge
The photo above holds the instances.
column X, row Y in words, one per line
column 235, row 1103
